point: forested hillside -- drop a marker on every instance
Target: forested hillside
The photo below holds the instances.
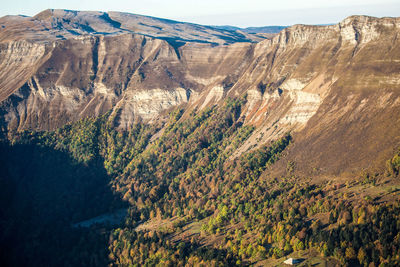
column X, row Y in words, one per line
column 190, row 200
column 128, row 140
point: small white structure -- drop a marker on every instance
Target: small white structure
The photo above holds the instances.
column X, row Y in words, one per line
column 292, row 261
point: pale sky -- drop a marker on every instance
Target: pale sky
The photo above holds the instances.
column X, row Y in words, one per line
column 243, row 13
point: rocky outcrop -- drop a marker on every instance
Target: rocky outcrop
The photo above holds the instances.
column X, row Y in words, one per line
column 89, row 75
column 19, row 60
column 315, row 81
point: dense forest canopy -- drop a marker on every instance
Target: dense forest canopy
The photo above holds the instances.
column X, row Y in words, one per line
column 190, row 200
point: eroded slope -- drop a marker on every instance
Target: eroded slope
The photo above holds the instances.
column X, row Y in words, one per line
column 333, row 86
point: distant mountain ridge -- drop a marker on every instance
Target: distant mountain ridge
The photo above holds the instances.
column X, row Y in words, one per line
column 254, row 30
column 59, row 23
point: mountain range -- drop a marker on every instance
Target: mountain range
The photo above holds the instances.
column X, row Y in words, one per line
column 315, row 106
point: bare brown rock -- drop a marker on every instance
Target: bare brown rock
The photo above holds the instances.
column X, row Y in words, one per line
column 335, row 87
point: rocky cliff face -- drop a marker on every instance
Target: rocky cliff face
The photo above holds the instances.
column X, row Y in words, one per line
column 336, row 87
